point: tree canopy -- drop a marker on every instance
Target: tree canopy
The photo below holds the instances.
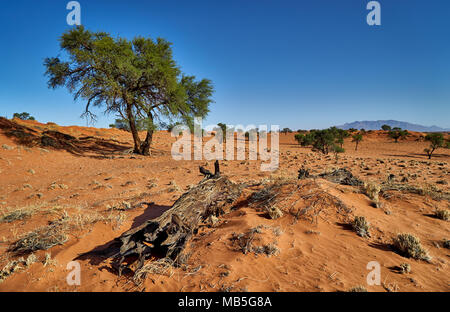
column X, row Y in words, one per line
column 23, row 116
column 398, row 133
column 436, row 141
column 137, row 79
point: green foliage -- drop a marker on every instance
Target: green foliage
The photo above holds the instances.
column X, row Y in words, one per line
column 23, row 116
column 223, row 127
column 398, row 133
column 124, row 124
column 436, row 141
column 340, row 136
column 325, row 141
column 386, row 127
column 137, row 79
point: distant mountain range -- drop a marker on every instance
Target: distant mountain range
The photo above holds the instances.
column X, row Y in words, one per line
column 376, row 125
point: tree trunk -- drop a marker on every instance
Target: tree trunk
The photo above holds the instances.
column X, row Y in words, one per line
column 168, row 234
column 134, row 131
column 145, row 146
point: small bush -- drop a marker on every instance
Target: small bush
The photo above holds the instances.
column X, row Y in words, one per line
column 41, row 239
column 361, row 226
column 372, row 190
column 10, row 268
column 268, row 250
column 274, row 212
column 409, row 246
column 358, row 288
column 16, row 214
column 443, row 214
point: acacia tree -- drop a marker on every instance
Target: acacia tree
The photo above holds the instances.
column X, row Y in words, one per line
column 357, row 138
column 436, row 141
column 23, row 116
column 398, row 133
column 137, row 79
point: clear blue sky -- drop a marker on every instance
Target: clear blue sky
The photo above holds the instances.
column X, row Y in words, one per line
column 299, row 64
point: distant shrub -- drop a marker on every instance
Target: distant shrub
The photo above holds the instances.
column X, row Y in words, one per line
column 409, row 246
column 23, row 116
column 398, row 133
column 324, row 141
column 386, row 127
column 286, row 130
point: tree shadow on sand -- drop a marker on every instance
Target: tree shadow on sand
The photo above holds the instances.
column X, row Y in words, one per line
column 87, row 146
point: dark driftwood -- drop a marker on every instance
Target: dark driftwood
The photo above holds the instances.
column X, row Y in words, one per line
column 167, row 235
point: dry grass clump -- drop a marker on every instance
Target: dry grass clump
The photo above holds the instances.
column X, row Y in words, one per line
column 162, row 267
column 409, row 246
column 173, row 187
column 10, row 268
column 358, row 288
column 446, row 243
column 424, row 190
column 15, row 265
column 244, row 242
column 48, row 261
column 11, row 215
column 268, row 250
column 40, row 239
column 372, row 190
column 405, row 268
column 274, row 212
column 44, row 237
column 361, row 226
column 443, row 214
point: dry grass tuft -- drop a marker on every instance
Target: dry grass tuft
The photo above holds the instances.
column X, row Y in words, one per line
column 443, row 214
column 361, row 226
column 405, row 268
column 11, row 215
column 162, row 267
column 372, row 190
column 358, row 288
column 409, row 246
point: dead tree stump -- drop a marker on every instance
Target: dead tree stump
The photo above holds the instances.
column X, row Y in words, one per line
column 167, row 235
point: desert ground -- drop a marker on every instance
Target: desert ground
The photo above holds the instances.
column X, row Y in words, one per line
column 89, row 189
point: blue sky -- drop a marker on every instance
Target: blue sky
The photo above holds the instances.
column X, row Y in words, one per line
column 299, row 64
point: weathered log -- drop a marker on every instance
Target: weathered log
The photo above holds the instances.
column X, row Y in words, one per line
column 167, row 235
